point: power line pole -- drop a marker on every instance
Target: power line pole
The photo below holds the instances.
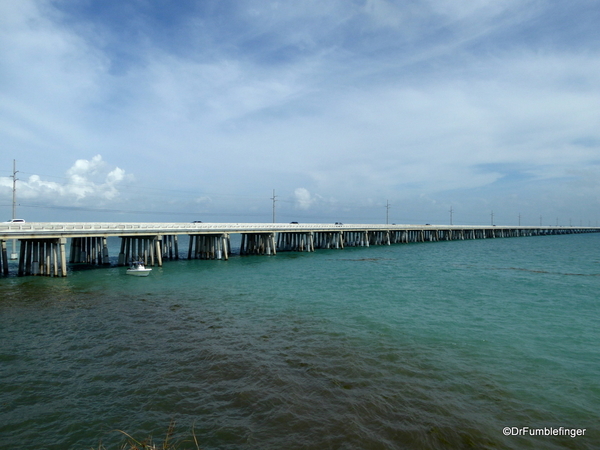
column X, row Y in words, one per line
column 492, row 218
column 387, row 212
column 14, row 177
column 519, row 219
column 13, row 255
column 274, row 198
column 451, row 211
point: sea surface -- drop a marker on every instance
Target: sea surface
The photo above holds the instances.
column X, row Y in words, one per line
column 410, row 346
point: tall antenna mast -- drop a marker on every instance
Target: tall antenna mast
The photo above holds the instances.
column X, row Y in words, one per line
column 387, row 212
column 13, row 254
column 14, row 177
column 274, row 198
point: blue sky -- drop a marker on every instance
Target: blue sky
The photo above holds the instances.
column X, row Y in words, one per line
column 140, row 110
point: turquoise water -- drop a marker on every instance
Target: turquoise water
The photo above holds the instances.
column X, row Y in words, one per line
column 416, row 346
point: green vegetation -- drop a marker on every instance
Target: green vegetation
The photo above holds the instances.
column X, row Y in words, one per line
column 148, row 444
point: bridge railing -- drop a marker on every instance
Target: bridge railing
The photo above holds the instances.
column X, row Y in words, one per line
column 7, row 230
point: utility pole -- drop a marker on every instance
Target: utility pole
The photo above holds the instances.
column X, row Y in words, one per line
column 274, row 198
column 387, row 212
column 519, row 219
column 492, row 218
column 451, row 211
column 14, row 177
column 13, row 255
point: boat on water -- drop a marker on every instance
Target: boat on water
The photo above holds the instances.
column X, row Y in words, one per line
column 138, row 269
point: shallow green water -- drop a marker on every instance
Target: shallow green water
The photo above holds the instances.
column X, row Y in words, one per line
column 425, row 346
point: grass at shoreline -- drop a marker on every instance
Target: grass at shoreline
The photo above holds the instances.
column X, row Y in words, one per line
column 149, row 444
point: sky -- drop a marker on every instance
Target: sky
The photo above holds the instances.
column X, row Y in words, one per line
column 356, row 111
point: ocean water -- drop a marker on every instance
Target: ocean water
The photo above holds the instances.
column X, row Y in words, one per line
column 410, row 346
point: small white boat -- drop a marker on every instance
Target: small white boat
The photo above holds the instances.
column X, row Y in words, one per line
column 138, row 269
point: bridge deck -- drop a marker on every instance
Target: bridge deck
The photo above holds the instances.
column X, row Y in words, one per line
column 33, row 230
column 42, row 249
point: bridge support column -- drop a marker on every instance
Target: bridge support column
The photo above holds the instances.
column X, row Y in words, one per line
column 378, row 237
column 209, row 246
column 62, row 252
column 158, row 250
column 144, row 248
column 258, row 244
column 4, row 258
column 328, row 239
column 89, row 250
column 170, row 246
column 296, row 242
column 44, row 257
column 356, row 238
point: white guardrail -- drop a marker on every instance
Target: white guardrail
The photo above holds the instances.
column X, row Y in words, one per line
column 66, row 229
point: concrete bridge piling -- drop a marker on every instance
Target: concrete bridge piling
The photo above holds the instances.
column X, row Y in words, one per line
column 145, row 248
column 46, row 257
column 170, row 247
column 258, row 244
column 328, row 239
column 209, row 246
column 89, row 250
column 3, row 258
column 296, row 242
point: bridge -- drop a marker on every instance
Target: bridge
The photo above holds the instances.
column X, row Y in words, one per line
column 43, row 245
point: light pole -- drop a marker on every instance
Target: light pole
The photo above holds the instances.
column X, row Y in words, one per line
column 13, row 255
column 14, row 177
column 274, row 198
column 387, row 212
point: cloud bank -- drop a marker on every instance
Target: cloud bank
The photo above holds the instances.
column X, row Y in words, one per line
column 85, row 182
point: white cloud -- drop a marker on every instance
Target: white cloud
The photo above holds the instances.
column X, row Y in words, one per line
column 86, row 180
column 203, row 200
column 303, row 198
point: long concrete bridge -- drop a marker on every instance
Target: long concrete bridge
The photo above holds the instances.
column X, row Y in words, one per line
column 43, row 246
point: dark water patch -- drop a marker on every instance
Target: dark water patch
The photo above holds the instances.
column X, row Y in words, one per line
column 523, row 269
column 364, row 259
column 550, row 273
